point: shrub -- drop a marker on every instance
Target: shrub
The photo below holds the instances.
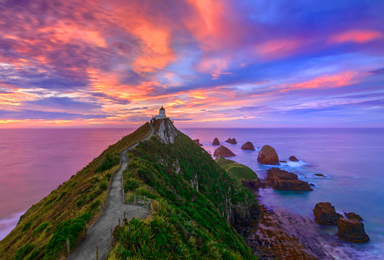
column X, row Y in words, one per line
column 103, row 185
column 41, row 228
column 23, row 251
column 108, row 163
column 147, row 192
column 36, row 252
column 131, row 184
column 71, row 229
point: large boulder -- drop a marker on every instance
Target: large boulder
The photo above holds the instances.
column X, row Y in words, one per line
column 293, row 159
column 248, row 146
column 223, row 151
column 325, row 214
column 216, row 141
column 351, row 230
column 231, row 141
column 268, row 155
column 352, row 215
column 197, row 141
column 283, row 180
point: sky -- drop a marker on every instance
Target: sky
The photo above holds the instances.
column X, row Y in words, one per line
column 210, row 63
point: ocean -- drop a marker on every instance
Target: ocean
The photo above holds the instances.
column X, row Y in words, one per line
column 36, row 161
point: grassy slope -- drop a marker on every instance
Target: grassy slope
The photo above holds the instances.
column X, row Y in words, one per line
column 68, row 208
column 236, row 170
column 186, row 223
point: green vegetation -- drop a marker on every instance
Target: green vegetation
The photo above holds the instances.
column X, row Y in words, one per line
column 110, row 161
column 57, row 215
column 191, row 202
column 71, row 229
column 23, row 251
column 237, row 171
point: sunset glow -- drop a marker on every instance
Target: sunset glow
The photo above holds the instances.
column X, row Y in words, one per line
column 208, row 62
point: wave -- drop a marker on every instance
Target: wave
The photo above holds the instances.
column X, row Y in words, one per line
column 8, row 224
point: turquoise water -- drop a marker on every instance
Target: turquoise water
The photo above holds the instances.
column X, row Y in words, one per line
column 351, row 159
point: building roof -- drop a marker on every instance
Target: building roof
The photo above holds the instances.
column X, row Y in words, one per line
column 162, row 108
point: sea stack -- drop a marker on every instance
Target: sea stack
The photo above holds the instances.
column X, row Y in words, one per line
column 231, row 141
column 352, row 215
column 351, row 230
column 223, row 151
column 283, row 180
column 216, row 141
column 248, row 146
column 268, row 155
column 293, row 159
column 197, row 141
column 325, row 214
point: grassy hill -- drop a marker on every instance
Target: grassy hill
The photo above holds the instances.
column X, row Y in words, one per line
column 192, row 201
column 44, row 228
column 237, row 171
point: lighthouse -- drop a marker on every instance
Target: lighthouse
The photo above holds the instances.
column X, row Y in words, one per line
column 161, row 114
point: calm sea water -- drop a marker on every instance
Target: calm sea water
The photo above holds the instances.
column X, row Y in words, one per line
column 36, row 161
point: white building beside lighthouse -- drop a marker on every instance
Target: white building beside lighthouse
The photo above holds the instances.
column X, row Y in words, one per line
column 161, row 114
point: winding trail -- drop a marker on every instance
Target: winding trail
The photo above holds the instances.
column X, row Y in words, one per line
column 99, row 233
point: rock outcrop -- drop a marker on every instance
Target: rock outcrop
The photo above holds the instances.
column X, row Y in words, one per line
column 352, row 215
column 248, row 146
column 325, row 214
column 243, row 215
column 216, row 141
column 223, row 151
column 231, row 141
column 319, row 175
column 351, row 230
column 293, row 159
column 283, row 180
column 167, row 131
column 197, row 141
column 268, row 155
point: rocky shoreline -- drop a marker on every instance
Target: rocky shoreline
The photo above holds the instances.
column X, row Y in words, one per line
column 283, row 235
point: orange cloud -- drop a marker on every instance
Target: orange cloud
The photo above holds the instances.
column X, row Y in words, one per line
column 67, row 33
column 333, row 81
column 355, row 36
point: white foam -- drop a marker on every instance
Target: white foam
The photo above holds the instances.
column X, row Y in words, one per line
column 8, row 224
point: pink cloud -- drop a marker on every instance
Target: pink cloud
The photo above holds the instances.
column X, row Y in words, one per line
column 355, row 36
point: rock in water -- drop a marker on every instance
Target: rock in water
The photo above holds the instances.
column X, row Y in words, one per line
column 268, row 155
column 216, row 141
column 352, row 215
column 325, row 214
column 283, row 180
column 248, row 146
column 231, row 141
column 351, row 230
column 197, row 141
column 293, row 159
column 223, row 151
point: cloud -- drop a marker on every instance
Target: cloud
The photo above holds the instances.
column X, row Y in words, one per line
column 92, row 62
column 355, row 36
column 46, row 115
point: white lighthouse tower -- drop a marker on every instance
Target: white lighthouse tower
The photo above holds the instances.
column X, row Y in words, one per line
column 161, row 114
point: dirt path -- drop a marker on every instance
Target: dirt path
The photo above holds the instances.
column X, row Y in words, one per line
column 99, row 234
